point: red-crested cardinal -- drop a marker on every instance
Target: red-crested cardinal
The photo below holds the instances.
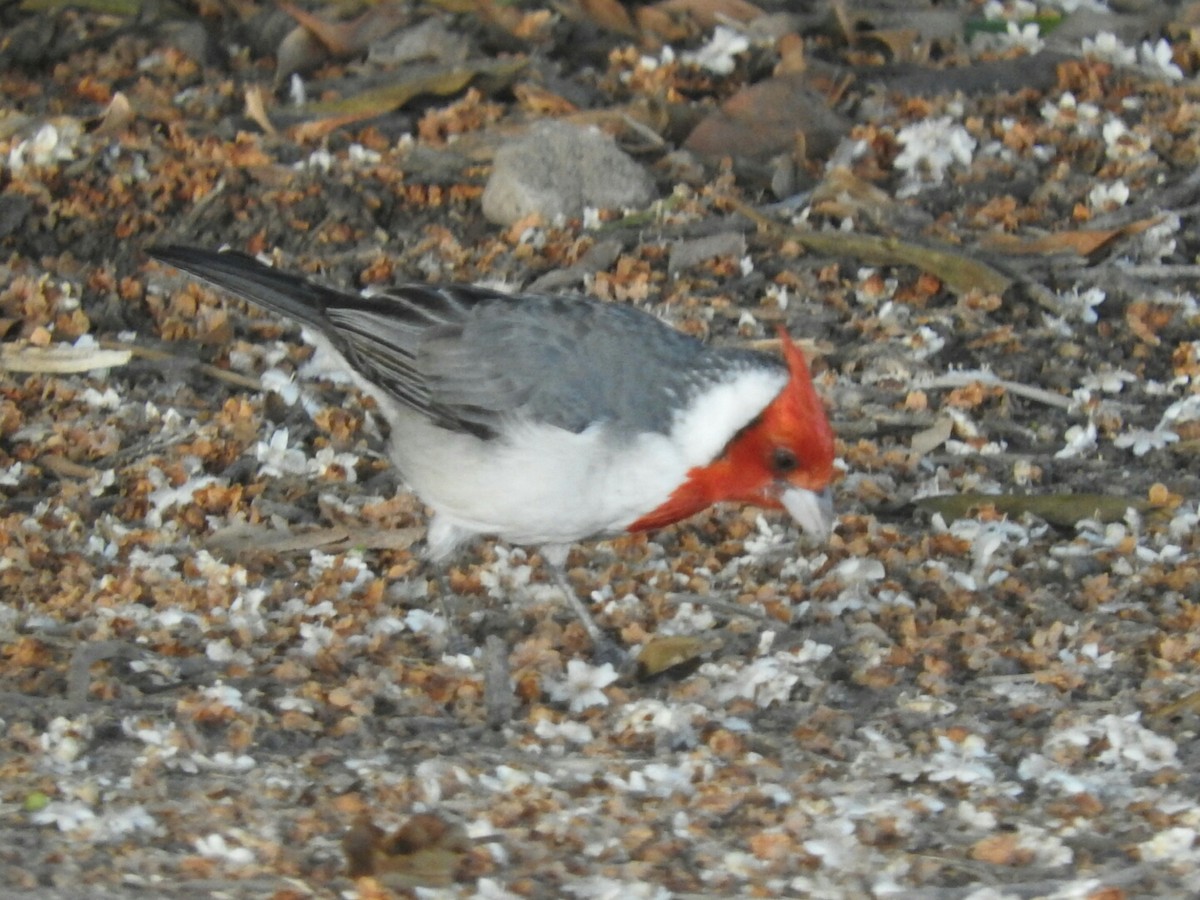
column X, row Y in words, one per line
column 547, row 419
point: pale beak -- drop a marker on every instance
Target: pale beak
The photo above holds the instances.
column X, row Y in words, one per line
column 812, row 511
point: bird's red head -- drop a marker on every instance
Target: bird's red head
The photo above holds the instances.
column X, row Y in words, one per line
column 787, row 446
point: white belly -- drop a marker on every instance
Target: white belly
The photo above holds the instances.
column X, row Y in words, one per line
column 539, row 485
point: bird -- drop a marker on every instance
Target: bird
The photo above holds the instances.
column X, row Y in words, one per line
column 548, row 419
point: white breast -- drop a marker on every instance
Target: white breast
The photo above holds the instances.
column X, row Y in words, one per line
column 536, row 484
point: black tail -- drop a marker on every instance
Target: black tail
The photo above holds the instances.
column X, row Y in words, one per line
column 286, row 295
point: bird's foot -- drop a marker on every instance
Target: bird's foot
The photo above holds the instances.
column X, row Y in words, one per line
column 604, row 649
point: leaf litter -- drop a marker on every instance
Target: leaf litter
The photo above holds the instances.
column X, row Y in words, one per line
column 225, row 666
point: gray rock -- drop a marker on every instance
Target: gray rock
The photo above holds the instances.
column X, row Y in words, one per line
column 557, row 169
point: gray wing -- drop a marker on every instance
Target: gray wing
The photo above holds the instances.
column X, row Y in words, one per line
column 378, row 336
column 471, row 358
column 570, row 362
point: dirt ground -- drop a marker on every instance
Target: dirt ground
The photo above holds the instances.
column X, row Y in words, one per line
column 225, row 669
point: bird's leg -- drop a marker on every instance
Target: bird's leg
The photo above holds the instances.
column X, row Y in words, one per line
column 443, row 543
column 604, row 649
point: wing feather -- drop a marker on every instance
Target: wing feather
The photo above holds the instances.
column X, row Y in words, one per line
column 472, row 359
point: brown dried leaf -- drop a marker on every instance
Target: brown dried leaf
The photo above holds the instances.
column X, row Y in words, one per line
column 378, row 101
column 842, row 194
column 531, row 26
column 925, row 442
column 60, row 360
column 541, row 101
column 535, row 26
column 238, row 539
column 256, row 108
column 343, row 39
column 791, row 55
column 63, row 467
column 384, row 538
column 455, row 6
column 424, row 852
column 300, row 51
column 503, row 15
column 842, row 16
column 105, row 7
column 1084, row 242
column 1146, row 320
column 609, row 15
column 315, row 41
column 1002, row 850
column 663, row 653
column 708, row 14
column 117, row 116
column 654, row 22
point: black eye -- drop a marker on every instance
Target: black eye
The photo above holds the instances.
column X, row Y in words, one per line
column 783, row 460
